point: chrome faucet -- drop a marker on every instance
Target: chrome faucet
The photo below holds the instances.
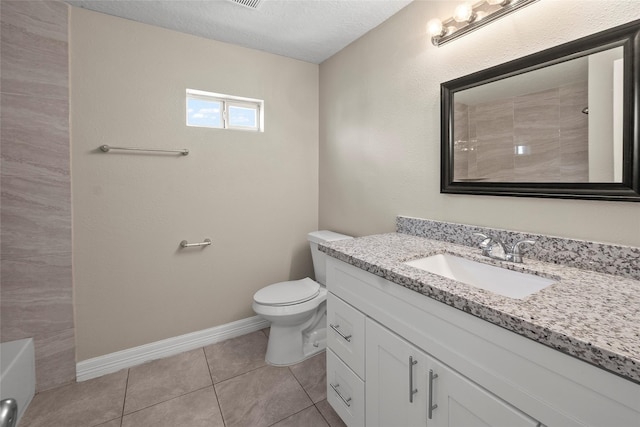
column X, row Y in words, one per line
column 493, row 247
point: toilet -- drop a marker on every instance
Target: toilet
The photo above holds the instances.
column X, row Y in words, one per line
column 297, row 310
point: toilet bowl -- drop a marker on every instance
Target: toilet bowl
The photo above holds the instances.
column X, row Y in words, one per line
column 297, row 310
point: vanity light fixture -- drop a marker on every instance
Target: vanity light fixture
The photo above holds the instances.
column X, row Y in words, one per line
column 468, row 17
column 464, row 13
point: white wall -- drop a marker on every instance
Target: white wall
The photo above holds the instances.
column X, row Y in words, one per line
column 254, row 194
column 380, row 129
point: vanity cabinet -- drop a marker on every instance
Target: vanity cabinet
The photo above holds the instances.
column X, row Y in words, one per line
column 407, row 387
column 406, row 353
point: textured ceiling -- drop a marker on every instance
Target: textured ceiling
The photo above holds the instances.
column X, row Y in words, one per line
column 309, row 30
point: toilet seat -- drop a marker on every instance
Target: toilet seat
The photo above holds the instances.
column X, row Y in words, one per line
column 291, row 309
column 287, row 293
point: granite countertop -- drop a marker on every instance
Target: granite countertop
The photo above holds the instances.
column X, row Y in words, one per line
column 589, row 315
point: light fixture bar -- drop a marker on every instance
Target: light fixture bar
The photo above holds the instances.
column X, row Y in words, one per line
column 483, row 13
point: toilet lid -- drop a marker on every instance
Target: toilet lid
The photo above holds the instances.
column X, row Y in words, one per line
column 288, row 293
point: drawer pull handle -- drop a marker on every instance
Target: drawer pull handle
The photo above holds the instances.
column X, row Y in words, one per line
column 431, row 406
column 335, row 388
column 335, row 328
column 412, row 390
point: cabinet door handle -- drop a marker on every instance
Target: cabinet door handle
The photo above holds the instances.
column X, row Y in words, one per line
column 412, row 391
column 431, row 406
column 335, row 388
column 335, row 328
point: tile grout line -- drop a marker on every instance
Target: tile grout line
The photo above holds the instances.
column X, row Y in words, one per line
column 296, row 413
column 215, row 393
column 173, row 397
column 213, row 385
column 310, row 398
column 314, row 404
column 301, row 386
column 168, row 400
column 124, row 401
column 244, row 373
column 321, row 414
column 255, row 369
column 307, row 393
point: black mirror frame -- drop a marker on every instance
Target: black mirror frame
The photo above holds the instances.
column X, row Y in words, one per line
column 628, row 36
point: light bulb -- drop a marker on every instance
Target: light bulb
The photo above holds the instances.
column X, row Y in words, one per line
column 464, row 13
column 434, row 27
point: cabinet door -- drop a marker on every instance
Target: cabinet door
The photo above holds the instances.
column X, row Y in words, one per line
column 395, row 390
column 462, row 403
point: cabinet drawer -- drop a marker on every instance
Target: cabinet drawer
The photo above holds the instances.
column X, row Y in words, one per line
column 345, row 391
column 345, row 333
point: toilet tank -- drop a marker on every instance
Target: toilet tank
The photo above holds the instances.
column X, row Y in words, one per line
column 319, row 258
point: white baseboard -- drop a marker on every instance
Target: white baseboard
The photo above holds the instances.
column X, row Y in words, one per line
column 113, row 362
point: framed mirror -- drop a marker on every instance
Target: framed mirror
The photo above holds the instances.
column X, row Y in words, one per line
column 562, row 123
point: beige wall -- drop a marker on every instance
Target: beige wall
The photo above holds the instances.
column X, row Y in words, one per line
column 36, row 290
column 254, row 194
column 380, row 130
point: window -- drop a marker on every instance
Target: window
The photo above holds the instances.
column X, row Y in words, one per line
column 215, row 110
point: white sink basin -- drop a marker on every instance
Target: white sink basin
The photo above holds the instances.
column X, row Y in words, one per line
column 508, row 283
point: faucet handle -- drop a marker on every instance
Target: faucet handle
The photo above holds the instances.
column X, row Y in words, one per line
column 486, row 244
column 486, row 240
column 518, row 245
column 516, row 252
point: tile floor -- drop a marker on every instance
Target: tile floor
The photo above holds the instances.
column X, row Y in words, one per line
column 224, row 384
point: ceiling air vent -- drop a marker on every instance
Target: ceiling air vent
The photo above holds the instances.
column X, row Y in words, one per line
column 251, row 4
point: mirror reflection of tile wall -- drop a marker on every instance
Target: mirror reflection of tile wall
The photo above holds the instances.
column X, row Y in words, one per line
column 538, row 137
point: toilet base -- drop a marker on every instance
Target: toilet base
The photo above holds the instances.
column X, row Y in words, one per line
column 279, row 353
column 289, row 345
